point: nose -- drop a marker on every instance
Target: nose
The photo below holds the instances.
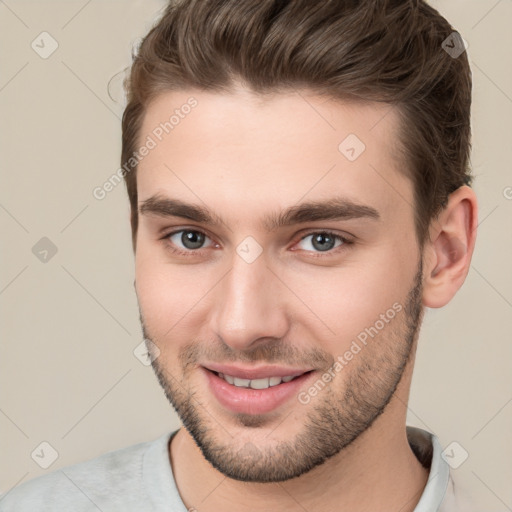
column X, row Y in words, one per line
column 250, row 305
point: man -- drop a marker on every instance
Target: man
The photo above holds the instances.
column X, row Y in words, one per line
column 298, row 179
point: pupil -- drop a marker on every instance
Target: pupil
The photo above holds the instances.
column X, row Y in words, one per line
column 320, row 240
column 192, row 239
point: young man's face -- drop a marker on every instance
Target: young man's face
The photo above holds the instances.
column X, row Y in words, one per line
column 254, row 301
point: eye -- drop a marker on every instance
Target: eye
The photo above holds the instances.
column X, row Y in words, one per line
column 323, row 241
column 186, row 241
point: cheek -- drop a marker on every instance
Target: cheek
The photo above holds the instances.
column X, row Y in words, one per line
column 158, row 294
column 170, row 296
column 346, row 301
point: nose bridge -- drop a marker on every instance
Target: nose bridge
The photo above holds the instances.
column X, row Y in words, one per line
column 248, row 304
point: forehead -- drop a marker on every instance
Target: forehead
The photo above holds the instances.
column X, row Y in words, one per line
column 237, row 149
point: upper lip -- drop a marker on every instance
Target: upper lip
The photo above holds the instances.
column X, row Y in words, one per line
column 259, row 372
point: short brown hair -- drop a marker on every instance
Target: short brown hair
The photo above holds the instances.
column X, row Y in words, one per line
column 371, row 50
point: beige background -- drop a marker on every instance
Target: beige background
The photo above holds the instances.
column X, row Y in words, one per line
column 69, row 326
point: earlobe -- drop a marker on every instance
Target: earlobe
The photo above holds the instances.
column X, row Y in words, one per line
column 450, row 248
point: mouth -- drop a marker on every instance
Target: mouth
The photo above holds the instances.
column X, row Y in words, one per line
column 254, row 391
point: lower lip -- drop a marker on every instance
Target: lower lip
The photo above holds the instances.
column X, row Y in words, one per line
column 254, row 401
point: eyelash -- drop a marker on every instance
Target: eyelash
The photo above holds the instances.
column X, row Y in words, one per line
column 191, row 252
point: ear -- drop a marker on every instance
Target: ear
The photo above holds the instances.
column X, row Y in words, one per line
column 449, row 249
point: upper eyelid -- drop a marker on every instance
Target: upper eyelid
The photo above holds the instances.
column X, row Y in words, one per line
column 176, row 231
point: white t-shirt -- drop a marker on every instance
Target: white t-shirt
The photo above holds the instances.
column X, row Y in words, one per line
column 139, row 478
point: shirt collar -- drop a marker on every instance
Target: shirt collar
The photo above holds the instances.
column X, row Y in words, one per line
column 427, row 448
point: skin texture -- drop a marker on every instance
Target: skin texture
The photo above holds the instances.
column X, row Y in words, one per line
column 244, row 157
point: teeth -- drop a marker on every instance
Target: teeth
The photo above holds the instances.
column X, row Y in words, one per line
column 256, row 383
column 241, row 383
column 259, row 383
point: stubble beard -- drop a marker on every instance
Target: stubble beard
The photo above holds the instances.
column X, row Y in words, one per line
column 336, row 418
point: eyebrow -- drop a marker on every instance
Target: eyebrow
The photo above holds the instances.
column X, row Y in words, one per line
column 336, row 208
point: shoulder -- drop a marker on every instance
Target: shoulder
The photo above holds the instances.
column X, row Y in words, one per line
column 85, row 486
